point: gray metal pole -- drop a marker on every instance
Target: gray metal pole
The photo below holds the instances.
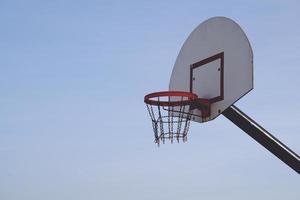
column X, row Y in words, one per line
column 263, row 137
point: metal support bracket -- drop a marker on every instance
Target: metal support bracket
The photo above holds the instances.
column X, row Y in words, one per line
column 203, row 105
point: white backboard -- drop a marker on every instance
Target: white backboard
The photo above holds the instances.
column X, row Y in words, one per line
column 215, row 62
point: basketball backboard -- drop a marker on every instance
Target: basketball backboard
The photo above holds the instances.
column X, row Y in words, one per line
column 215, row 63
column 213, row 70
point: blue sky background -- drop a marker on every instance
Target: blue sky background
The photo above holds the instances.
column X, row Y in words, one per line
column 73, row 124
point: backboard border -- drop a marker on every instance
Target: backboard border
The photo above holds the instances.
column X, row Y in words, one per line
column 221, row 69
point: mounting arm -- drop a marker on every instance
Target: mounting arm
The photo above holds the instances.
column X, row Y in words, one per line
column 263, row 137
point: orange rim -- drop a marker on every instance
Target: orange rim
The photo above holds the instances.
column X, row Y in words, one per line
column 148, row 99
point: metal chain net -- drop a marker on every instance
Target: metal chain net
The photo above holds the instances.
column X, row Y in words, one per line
column 170, row 122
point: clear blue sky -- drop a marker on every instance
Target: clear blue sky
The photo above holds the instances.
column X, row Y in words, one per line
column 73, row 124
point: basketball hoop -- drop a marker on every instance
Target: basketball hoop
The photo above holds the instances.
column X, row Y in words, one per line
column 213, row 76
column 171, row 112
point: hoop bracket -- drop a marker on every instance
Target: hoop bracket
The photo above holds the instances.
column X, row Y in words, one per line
column 203, row 105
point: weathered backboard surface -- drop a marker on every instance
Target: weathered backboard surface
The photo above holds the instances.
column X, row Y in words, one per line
column 215, row 62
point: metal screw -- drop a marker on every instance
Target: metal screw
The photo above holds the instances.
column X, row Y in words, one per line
column 219, row 69
column 193, row 78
